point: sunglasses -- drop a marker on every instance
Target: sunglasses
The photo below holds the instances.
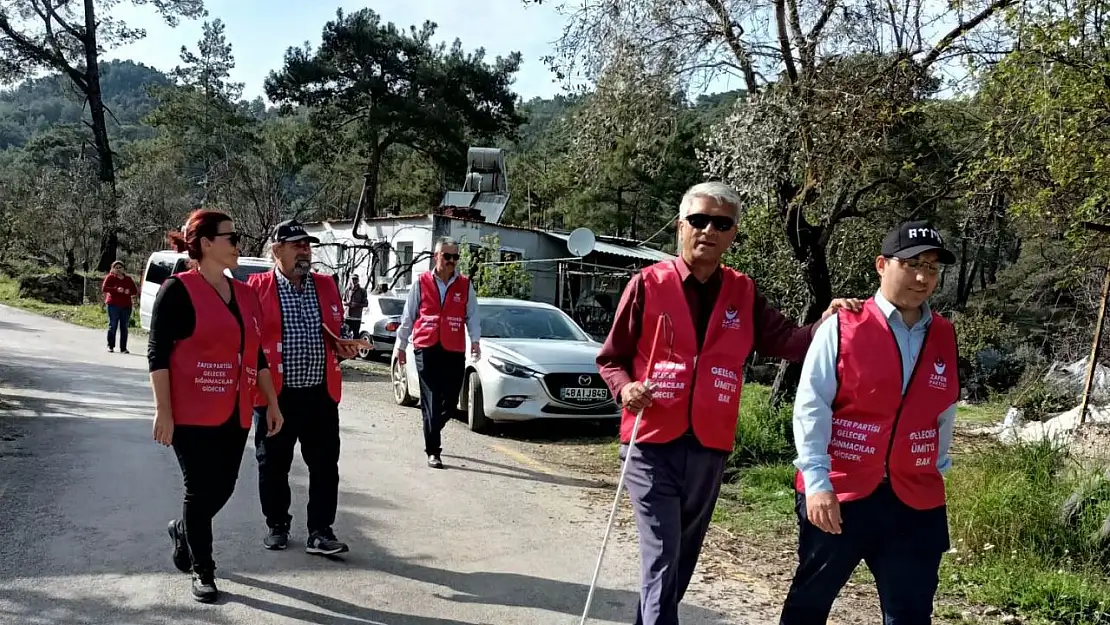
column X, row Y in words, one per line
column 449, row 257
column 700, row 221
column 232, row 237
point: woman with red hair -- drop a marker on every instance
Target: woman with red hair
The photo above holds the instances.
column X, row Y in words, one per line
column 206, row 363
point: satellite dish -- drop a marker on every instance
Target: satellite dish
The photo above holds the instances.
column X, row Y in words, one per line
column 581, row 242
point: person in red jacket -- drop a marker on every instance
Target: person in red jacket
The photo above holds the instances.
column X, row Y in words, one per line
column 438, row 314
column 713, row 317
column 302, row 319
column 119, row 290
column 873, row 420
column 206, row 364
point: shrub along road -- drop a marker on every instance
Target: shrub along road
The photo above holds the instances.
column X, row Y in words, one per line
column 495, row 539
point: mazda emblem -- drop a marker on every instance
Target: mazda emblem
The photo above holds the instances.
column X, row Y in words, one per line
column 584, row 380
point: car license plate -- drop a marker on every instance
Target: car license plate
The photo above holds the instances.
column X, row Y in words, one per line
column 585, row 394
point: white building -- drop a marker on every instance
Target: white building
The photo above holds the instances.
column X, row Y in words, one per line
column 403, row 246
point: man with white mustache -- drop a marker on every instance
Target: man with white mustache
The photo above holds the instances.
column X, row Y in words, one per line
column 302, row 318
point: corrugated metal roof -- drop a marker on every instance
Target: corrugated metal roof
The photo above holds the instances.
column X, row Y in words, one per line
column 629, row 251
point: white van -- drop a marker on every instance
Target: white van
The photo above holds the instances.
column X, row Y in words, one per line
column 164, row 264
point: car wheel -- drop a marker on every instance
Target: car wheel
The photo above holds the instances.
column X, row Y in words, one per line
column 475, row 407
column 365, row 353
column 401, row 385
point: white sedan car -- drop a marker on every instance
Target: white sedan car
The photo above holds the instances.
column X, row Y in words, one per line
column 536, row 363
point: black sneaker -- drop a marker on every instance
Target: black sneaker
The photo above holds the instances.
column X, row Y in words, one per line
column 324, row 544
column 204, row 585
column 435, row 462
column 181, row 557
column 277, row 539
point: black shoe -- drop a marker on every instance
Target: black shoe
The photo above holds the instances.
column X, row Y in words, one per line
column 181, row 557
column 277, row 539
column 324, row 543
column 435, row 462
column 204, row 585
column 124, row 351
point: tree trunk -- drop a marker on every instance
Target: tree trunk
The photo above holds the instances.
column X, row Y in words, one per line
column 107, row 172
column 810, row 245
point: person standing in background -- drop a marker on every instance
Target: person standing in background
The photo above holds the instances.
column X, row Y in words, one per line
column 119, row 292
column 439, row 312
column 356, row 301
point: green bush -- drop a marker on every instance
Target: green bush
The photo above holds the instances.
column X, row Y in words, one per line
column 764, row 435
column 1015, row 547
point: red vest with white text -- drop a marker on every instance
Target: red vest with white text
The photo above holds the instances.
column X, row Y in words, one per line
column 444, row 324
column 331, row 313
column 212, row 372
column 691, row 388
column 875, row 428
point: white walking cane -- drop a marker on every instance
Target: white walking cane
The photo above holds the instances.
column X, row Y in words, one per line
column 620, row 481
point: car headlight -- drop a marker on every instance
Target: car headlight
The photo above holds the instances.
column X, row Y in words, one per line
column 509, row 367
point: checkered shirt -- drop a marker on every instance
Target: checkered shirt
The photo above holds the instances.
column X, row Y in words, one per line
column 303, row 353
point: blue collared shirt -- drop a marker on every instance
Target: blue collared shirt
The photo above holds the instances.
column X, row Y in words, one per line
column 817, row 388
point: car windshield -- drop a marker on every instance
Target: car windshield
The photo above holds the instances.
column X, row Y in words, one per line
column 392, row 306
column 525, row 322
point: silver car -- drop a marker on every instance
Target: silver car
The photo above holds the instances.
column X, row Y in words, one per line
column 536, row 363
column 380, row 320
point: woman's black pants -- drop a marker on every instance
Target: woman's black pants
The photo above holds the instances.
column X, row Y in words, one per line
column 209, row 457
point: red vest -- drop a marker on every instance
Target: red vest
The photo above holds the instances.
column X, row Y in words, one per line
column 691, row 388
column 212, row 371
column 331, row 312
column 875, row 429
column 444, row 324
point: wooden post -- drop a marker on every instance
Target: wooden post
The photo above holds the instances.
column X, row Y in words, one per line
column 1092, row 364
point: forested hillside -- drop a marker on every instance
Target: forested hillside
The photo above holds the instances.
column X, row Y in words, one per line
column 826, row 170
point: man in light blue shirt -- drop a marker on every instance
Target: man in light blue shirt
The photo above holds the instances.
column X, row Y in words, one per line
column 440, row 363
column 870, row 454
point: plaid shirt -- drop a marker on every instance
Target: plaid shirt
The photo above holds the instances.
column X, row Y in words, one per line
column 303, row 352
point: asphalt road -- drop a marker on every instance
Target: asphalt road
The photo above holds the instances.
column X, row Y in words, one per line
column 85, row 495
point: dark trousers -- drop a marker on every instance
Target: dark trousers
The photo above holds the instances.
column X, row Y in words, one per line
column 441, row 375
column 355, row 325
column 118, row 318
column 311, row 417
column 673, row 487
column 902, row 547
column 209, row 458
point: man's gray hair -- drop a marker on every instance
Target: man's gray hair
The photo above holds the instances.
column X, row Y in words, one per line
column 718, row 191
column 445, row 242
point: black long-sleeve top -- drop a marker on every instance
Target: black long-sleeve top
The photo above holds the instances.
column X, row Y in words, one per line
column 173, row 318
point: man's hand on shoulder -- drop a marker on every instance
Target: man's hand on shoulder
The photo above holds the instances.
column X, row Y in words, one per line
column 849, row 303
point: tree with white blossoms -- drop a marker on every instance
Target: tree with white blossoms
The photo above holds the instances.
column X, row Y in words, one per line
column 830, row 125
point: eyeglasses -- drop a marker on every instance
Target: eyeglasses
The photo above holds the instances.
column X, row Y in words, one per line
column 721, row 223
column 232, row 237
column 915, row 264
column 449, row 257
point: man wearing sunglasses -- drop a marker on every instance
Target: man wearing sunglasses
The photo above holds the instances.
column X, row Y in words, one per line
column 712, row 317
column 872, row 423
column 302, row 313
column 438, row 314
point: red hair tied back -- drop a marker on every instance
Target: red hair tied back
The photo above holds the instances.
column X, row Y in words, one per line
column 200, row 224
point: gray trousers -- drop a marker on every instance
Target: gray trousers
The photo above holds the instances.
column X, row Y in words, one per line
column 673, row 487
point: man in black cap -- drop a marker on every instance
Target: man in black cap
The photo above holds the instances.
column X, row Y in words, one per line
column 302, row 319
column 873, row 422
